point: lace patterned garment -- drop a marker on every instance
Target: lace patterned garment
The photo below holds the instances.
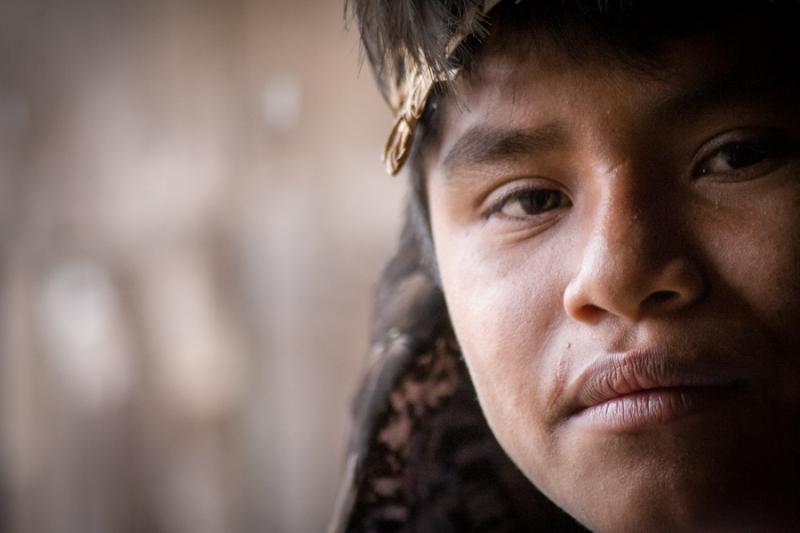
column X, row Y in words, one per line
column 422, row 456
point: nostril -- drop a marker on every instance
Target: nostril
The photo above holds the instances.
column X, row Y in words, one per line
column 590, row 313
column 659, row 298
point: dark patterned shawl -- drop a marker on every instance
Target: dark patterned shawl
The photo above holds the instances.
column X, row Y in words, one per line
column 422, row 457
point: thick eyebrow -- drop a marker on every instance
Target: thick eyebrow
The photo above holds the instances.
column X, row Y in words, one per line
column 712, row 95
column 481, row 144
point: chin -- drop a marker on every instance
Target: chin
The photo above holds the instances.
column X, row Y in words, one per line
column 681, row 483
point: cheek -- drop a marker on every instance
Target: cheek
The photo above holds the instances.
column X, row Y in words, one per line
column 757, row 259
column 753, row 256
column 505, row 306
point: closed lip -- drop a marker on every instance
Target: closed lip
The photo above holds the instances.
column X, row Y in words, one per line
column 647, row 387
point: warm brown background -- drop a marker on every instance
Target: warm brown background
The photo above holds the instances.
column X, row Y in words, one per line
column 192, row 216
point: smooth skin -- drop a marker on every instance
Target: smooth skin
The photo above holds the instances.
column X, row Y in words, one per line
column 586, row 210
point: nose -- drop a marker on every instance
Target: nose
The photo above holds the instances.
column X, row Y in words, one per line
column 631, row 265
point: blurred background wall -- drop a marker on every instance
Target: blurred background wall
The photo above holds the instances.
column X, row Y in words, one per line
column 192, row 217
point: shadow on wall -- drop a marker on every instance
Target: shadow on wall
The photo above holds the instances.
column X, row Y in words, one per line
column 192, row 215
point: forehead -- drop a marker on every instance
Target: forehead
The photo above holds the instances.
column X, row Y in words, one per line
column 536, row 80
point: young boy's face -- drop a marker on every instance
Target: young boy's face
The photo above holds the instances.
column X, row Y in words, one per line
column 620, row 254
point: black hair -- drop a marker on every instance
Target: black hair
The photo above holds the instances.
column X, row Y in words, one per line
column 397, row 33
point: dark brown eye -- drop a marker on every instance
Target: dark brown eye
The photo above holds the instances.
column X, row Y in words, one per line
column 532, row 202
column 734, row 157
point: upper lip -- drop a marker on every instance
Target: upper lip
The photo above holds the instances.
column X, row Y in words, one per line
column 620, row 374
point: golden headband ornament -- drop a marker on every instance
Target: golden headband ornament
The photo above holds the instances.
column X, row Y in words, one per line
column 409, row 97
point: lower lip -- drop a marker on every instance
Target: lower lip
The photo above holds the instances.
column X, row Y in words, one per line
column 651, row 408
